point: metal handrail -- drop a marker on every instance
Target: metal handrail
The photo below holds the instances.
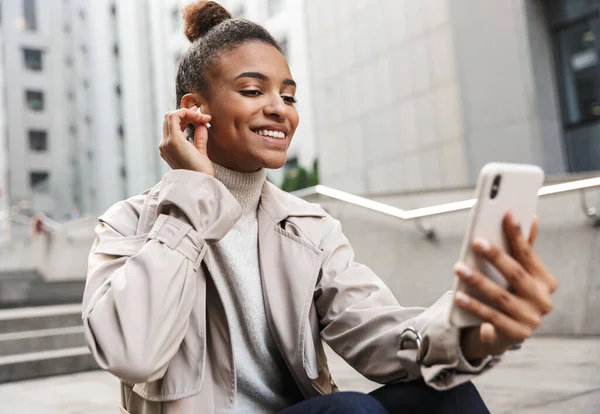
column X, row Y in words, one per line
column 419, row 213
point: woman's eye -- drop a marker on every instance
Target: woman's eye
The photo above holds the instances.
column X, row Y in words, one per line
column 289, row 99
column 251, row 92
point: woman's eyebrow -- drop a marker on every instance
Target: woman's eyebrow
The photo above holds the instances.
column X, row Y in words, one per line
column 262, row 77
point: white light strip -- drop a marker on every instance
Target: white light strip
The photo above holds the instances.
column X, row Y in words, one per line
column 360, row 201
column 432, row 210
column 570, row 186
column 440, row 209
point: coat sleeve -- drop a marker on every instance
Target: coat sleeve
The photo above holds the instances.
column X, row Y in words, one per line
column 140, row 289
column 362, row 321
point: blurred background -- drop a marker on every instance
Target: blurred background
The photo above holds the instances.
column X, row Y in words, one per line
column 401, row 103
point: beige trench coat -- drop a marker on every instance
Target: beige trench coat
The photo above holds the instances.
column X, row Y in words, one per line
column 153, row 316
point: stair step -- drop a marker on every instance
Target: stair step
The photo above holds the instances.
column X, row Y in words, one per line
column 39, row 318
column 41, row 340
column 45, row 363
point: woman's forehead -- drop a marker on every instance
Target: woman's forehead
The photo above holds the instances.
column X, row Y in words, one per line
column 256, row 57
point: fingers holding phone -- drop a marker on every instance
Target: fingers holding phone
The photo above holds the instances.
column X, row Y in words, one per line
column 176, row 150
column 510, row 316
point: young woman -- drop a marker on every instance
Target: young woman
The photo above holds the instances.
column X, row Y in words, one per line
column 212, row 292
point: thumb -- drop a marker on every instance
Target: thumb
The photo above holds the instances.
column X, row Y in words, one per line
column 487, row 333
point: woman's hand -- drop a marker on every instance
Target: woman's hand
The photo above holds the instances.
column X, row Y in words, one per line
column 521, row 308
column 176, row 150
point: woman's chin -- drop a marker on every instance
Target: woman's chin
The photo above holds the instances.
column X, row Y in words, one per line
column 274, row 163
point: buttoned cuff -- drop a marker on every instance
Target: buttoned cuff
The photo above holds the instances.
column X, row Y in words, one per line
column 179, row 236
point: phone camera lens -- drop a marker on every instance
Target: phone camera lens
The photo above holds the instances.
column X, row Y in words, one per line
column 495, row 187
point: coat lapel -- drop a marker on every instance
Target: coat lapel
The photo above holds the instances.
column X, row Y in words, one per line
column 289, row 267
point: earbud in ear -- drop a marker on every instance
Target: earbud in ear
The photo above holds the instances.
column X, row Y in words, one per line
column 199, row 110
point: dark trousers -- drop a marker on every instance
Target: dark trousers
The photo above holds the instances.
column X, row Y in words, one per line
column 413, row 397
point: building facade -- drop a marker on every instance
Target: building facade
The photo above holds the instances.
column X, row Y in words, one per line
column 420, row 94
column 82, row 102
column 39, row 153
column 4, row 203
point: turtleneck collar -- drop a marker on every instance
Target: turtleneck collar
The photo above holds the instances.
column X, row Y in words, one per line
column 245, row 187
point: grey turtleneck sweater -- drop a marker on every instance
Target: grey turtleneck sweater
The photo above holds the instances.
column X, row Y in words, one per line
column 264, row 383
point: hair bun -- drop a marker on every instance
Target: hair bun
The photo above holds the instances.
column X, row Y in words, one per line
column 202, row 16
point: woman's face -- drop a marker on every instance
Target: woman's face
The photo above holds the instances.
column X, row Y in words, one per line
column 251, row 101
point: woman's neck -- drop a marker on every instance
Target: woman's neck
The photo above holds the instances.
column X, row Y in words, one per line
column 245, row 187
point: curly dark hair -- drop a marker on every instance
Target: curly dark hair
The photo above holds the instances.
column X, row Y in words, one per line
column 212, row 31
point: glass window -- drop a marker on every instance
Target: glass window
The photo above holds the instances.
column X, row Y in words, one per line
column 29, row 15
column 568, row 10
column 39, row 181
column 275, row 6
column 32, row 59
column 579, row 60
column 35, row 100
column 38, row 140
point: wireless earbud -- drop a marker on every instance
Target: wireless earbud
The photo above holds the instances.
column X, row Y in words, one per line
column 199, row 110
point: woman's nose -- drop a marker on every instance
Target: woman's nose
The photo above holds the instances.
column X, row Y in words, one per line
column 276, row 107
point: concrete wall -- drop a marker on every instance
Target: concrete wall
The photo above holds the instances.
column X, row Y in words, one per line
column 418, row 271
column 421, row 94
column 387, row 104
column 507, row 86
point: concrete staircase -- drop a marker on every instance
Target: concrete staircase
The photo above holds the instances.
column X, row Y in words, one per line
column 27, row 288
column 42, row 341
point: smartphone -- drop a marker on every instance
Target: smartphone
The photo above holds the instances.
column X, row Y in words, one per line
column 500, row 188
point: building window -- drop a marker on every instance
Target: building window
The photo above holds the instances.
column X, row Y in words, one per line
column 116, row 50
column 274, row 7
column 578, row 46
column 32, row 59
column 576, row 30
column 113, row 9
column 38, row 140
column 39, row 181
column 35, row 100
column 29, row 15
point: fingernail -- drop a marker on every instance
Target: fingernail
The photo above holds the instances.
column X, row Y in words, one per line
column 463, row 270
column 482, row 244
column 462, row 297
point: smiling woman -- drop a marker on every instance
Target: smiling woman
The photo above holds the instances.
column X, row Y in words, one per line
column 214, row 291
column 235, row 71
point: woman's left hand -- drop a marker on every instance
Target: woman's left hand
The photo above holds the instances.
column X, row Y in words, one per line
column 519, row 311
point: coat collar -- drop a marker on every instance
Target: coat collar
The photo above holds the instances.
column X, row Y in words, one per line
column 279, row 205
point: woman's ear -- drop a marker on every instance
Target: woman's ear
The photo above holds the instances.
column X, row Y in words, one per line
column 191, row 100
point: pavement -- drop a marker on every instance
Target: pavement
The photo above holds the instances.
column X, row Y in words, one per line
column 548, row 375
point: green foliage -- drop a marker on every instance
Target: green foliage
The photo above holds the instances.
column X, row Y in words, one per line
column 298, row 178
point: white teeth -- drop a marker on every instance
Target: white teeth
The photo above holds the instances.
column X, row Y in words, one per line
column 274, row 134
